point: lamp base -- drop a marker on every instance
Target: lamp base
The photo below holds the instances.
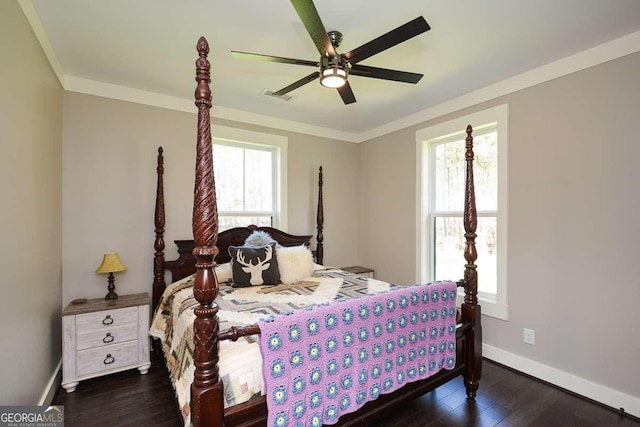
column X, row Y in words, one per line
column 111, row 295
column 111, row 288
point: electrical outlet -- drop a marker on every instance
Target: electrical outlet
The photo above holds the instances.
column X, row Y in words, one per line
column 529, row 336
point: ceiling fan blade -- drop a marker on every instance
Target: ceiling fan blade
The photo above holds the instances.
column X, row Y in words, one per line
column 303, row 81
column 269, row 58
column 385, row 74
column 390, row 39
column 309, row 15
column 347, row 94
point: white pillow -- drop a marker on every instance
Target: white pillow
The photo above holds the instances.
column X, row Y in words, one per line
column 295, row 263
column 224, row 272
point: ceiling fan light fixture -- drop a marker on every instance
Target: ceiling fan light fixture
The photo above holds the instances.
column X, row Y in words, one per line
column 333, row 77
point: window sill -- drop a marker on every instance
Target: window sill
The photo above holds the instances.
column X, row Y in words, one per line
column 490, row 307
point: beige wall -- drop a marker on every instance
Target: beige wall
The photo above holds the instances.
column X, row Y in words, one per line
column 573, row 229
column 31, row 214
column 109, row 179
column 387, row 200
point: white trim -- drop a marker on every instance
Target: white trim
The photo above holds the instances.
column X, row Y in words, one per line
column 138, row 96
column 38, row 29
column 614, row 49
column 52, row 386
column 122, row 93
column 598, row 392
column 492, row 306
column 281, row 195
column 605, row 52
column 281, row 144
column 422, row 212
column 243, row 136
column 282, row 124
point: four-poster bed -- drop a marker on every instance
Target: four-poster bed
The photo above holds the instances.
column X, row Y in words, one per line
column 207, row 404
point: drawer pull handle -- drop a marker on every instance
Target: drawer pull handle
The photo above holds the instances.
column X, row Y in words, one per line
column 107, row 320
column 108, row 338
column 109, row 359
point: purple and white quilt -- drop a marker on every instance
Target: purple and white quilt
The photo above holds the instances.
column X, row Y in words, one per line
column 328, row 360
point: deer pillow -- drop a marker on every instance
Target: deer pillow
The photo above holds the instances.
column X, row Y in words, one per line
column 254, row 266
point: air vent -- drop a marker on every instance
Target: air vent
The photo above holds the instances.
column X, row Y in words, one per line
column 272, row 95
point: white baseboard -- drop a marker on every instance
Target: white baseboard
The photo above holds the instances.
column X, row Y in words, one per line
column 575, row 384
column 52, row 386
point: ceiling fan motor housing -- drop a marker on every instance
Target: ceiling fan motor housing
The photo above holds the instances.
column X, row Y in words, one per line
column 335, row 37
column 334, row 62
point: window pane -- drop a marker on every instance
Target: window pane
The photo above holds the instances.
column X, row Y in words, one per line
column 450, row 172
column 258, row 180
column 227, row 163
column 485, row 171
column 449, row 251
column 226, row 222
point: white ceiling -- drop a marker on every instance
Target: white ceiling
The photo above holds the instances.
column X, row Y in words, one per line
column 150, row 45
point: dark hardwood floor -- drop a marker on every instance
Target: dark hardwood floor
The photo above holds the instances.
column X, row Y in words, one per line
column 505, row 399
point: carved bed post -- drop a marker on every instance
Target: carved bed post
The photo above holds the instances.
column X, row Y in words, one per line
column 320, row 222
column 158, row 259
column 207, row 404
column 470, row 307
column 158, row 245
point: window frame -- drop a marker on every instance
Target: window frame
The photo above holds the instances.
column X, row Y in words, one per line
column 492, row 305
column 277, row 144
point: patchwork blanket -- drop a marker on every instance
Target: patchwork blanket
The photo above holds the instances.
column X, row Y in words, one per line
column 328, row 360
column 240, row 362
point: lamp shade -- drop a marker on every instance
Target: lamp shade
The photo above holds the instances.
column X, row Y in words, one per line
column 110, row 264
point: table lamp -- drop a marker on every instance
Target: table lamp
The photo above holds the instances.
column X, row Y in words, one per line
column 111, row 264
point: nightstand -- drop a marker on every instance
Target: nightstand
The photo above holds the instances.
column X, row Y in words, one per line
column 104, row 336
column 360, row 271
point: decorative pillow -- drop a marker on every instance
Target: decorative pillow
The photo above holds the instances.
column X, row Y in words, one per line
column 254, row 266
column 223, row 272
column 259, row 239
column 295, row 263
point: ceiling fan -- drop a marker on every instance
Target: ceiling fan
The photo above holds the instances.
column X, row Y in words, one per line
column 333, row 67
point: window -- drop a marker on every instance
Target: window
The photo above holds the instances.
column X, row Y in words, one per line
column 249, row 170
column 441, row 166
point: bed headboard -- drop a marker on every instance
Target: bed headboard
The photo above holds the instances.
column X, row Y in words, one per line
column 185, row 264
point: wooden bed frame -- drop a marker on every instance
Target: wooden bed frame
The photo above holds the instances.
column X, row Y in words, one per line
column 207, row 248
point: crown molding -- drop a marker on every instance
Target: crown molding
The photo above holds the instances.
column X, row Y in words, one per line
column 36, row 25
column 282, row 124
column 614, row 49
column 122, row 93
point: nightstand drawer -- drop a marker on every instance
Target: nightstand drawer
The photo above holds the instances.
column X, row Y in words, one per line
column 106, row 358
column 106, row 319
column 110, row 335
